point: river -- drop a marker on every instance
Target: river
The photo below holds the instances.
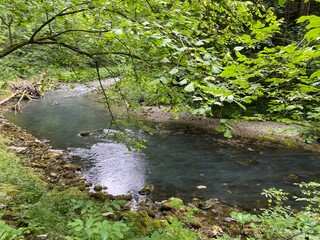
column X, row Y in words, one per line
column 179, row 160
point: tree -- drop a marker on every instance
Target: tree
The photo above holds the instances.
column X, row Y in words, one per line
column 206, row 57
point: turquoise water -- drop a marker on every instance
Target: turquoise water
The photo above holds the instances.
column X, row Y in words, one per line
column 176, row 160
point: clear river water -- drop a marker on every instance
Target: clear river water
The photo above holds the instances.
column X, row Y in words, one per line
column 176, row 160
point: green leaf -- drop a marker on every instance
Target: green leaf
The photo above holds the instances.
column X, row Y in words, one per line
column 189, row 87
column 118, row 31
column 215, row 69
column 227, row 133
column 165, row 60
column 315, row 74
column 238, row 48
column 199, row 43
column 183, row 82
column 174, row 71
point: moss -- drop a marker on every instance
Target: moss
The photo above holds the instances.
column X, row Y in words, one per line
column 139, row 221
column 142, row 224
column 173, row 204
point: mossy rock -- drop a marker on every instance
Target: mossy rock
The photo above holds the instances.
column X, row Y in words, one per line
column 146, row 190
column 97, row 188
column 142, row 224
column 172, row 204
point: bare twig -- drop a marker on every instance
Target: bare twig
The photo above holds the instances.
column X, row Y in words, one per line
column 18, row 103
column 104, row 94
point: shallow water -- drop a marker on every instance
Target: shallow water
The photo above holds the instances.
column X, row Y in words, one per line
column 176, row 161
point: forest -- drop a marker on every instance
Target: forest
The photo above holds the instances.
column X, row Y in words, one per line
column 251, row 60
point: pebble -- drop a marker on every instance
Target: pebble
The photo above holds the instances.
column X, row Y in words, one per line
column 229, row 219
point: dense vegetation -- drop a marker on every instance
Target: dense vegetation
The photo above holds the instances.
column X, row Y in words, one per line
column 228, row 59
column 257, row 60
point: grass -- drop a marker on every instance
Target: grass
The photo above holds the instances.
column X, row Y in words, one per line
column 28, row 205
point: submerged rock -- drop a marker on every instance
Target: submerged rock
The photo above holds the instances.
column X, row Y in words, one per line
column 204, row 205
column 90, row 133
column 247, row 162
column 74, row 167
column 201, row 187
column 97, row 188
column 146, row 189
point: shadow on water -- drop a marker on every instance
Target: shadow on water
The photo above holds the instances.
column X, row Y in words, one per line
column 178, row 159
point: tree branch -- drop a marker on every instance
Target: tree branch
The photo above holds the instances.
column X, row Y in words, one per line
column 73, row 30
column 152, row 10
column 61, row 14
column 12, row 48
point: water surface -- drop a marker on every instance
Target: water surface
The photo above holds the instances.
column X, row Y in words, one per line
column 177, row 160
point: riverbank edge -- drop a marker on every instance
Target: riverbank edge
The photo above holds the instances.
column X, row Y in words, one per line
column 266, row 132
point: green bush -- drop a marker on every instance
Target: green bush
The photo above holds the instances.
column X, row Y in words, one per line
column 53, row 211
column 9, row 233
column 282, row 222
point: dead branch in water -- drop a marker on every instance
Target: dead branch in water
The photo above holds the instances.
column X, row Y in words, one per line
column 18, row 103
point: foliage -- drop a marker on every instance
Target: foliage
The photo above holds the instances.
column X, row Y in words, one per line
column 16, row 181
column 52, row 212
column 174, row 231
column 9, row 233
column 311, row 195
column 282, row 222
column 201, row 56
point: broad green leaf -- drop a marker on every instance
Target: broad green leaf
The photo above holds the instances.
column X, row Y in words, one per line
column 165, row 60
column 183, row 82
column 315, row 74
column 174, row 71
column 189, row 87
column 117, row 31
column 215, row 69
column 238, row 48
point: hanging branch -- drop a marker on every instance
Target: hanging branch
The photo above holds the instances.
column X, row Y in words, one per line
column 121, row 94
column 105, row 95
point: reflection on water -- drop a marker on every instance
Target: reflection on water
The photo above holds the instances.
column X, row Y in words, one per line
column 114, row 166
column 176, row 161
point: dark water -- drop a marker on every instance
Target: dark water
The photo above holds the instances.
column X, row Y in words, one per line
column 176, row 161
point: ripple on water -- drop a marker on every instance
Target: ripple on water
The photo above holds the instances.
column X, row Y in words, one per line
column 114, row 166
